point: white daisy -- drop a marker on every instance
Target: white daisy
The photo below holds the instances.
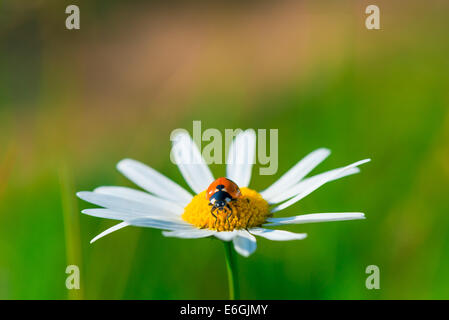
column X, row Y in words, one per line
column 167, row 206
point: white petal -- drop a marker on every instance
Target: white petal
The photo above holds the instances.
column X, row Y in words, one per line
column 110, row 230
column 110, row 214
column 277, row 235
column 121, row 215
column 318, row 183
column 165, row 224
column 152, row 181
column 302, row 185
column 244, row 243
column 191, row 164
column 189, row 234
column 296, row 173
column 315, row 217
column 226, row 235
column 146, row 222
column 143, row 197
column 240, row 158
column 123, row 204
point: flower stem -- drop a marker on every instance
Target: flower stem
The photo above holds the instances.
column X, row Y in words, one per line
column 231, row 266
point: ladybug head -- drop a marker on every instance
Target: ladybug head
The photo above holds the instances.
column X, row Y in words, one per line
column 219, row 204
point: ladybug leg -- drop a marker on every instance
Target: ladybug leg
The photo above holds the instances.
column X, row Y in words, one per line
column 230, row 212
column 212, row 212
column 249, row 219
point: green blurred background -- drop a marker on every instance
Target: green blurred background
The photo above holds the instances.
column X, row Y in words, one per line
column 74, row 103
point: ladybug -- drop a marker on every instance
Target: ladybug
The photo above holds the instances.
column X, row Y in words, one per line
column 220, row 193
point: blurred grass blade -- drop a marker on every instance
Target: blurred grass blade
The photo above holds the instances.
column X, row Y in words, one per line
column 71, row 227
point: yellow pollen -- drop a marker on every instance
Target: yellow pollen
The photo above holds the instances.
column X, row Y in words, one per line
column 248, row 211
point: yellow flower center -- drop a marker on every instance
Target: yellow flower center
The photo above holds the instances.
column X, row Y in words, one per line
column 248, row 211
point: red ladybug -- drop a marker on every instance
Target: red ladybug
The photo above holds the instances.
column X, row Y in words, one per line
column 220, row 193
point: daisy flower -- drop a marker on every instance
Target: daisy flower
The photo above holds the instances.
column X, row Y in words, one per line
column 167, row 206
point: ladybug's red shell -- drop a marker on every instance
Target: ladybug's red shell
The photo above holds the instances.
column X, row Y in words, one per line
column 229, row 186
